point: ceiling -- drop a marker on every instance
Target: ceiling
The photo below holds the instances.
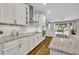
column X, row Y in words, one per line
column 55, row 11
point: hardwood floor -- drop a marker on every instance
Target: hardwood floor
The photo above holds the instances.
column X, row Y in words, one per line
column 42, row 48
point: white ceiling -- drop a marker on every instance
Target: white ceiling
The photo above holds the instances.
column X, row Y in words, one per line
column 57, row 10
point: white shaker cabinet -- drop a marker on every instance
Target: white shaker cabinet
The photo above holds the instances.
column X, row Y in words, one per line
column 40, row 37
column 8, row 13
column 40, row 19
column 17, row 47
column 14, row 13
column 21, row 46
column 27, row 45
column 36, row 39
column 32, row 42
column 24, row 46
column 20, row 13
column 42, row 22
column 1, row 12
column 11, row 48
column 36, row 17
column 0, row 49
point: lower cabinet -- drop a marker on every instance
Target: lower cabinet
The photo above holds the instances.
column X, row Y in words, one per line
column 12, row 50
column 32, row 42
column 37, row 39
column 17, row 47
column 0, row 49
column 24, row 46
column 21, row 46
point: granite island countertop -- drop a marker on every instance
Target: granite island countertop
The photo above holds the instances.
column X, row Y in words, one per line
column 67, row 45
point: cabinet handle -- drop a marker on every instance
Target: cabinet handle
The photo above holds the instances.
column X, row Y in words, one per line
column 19, row 45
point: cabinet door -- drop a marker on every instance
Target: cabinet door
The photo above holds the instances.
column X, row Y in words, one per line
column 42, row 20
column 39, row 38
column 21, row 13
column 0, row 49
column 1, row 12
column 12, row 50
column 8, row 12
column 32, row 42
column 24, row 46
column 36, row 40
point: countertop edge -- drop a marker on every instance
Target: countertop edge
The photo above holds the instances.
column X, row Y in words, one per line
column 19, row 37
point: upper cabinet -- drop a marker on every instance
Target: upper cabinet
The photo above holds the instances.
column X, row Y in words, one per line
column 8, row 12
column 0, row 12
column 42, row 20
column 21, row 14
column 31, row 14
column 39, row 19
column 14, row 13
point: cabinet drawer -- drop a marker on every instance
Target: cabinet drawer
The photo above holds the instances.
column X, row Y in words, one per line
column 10, row 43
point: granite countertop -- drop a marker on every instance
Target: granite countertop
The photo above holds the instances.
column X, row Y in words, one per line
column 11, row 38
column 68, row 45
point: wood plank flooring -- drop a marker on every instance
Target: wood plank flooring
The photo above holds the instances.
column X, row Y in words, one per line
column 42, row 48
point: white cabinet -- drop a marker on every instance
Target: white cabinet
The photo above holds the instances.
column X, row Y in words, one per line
column 14, row 13
column 0, row 49
column 11, row 48
column 8, row 12
column 32, row 42
column 21, row 46
column 1, row 12
column 36, row 17
column 36, row 39
column 24, row 45
column 17, row 47
column 40, row 37
column 21, row 13
column 40, row 19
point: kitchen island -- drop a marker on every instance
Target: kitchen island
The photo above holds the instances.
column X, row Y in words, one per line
column 64, row 46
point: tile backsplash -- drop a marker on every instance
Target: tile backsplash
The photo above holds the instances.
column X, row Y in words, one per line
column 7, row 30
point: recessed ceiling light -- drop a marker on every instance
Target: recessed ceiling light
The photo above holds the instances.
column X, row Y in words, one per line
column 49, row 12
column 44, row 3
